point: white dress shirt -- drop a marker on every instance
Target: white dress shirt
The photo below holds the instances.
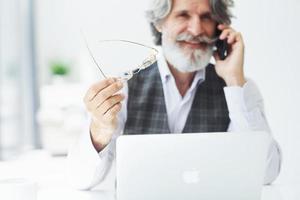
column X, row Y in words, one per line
column 87, row 167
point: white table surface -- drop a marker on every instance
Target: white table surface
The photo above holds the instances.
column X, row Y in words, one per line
column 49, row 174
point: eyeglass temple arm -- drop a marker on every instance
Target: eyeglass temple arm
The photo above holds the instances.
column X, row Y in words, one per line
column 136, row 43
column 90, row 52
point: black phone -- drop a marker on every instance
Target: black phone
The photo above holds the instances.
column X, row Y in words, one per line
column 222, row 46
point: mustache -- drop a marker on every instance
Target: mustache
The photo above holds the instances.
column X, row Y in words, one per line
column 198, row 39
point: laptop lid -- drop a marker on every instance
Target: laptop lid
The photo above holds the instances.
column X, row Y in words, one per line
column 210, row 166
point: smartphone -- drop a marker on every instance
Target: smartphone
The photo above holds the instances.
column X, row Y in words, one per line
column 221, row 45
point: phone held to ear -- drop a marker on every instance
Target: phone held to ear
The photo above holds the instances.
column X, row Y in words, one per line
column 222, row 46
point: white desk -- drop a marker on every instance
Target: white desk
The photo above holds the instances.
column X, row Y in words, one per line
column 275, row 192
column 49, row 173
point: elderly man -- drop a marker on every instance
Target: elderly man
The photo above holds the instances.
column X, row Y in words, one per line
column 182, row 92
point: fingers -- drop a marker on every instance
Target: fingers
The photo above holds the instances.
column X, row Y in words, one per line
column 229, row 33
column 233, row 37
column 97, row 87
column 222, row 26
column 109, row 103
column 103, row 95
column 216, row 56
column 108, row 111
column 111, row 113
column 106, row 93
column 225, row 33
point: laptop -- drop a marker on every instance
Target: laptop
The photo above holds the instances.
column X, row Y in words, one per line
column 208, row 166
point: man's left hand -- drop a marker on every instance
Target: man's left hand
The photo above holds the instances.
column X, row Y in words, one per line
column 231, row 69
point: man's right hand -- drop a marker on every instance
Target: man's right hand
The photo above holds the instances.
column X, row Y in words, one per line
column 103, row 104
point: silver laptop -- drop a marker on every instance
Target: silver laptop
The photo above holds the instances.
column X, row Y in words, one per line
column 208, row 166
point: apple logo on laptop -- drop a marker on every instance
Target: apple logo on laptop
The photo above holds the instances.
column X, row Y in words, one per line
column 191, row 176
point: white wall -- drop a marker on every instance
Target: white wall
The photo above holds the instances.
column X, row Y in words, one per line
column 59, row 24
column 270, row 29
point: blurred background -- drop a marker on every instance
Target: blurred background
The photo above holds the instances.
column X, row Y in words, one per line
column 45, row 68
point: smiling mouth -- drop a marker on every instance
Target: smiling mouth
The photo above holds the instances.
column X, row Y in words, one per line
column 193, row 45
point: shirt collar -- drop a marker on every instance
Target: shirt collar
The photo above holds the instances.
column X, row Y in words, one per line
column 163, row 67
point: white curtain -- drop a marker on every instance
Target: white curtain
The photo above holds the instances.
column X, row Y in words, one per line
column 18, row 98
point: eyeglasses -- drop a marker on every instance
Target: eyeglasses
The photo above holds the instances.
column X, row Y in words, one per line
column 128, row 74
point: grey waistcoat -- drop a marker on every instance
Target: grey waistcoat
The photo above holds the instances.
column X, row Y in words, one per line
column 146, row 110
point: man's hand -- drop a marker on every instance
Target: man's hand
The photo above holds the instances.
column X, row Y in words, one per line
column 231, row 69
column 104, row 104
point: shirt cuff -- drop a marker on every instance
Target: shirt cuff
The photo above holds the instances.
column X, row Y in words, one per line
column 87, row 148
column 235, row 99
column 105, row 152
column 244, row 99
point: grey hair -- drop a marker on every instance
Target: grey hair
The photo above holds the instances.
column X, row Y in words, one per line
column 159, row 9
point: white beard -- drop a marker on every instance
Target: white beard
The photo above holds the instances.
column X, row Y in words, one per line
column 195, row 61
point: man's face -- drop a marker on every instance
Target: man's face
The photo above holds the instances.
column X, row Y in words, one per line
column 185, row 34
